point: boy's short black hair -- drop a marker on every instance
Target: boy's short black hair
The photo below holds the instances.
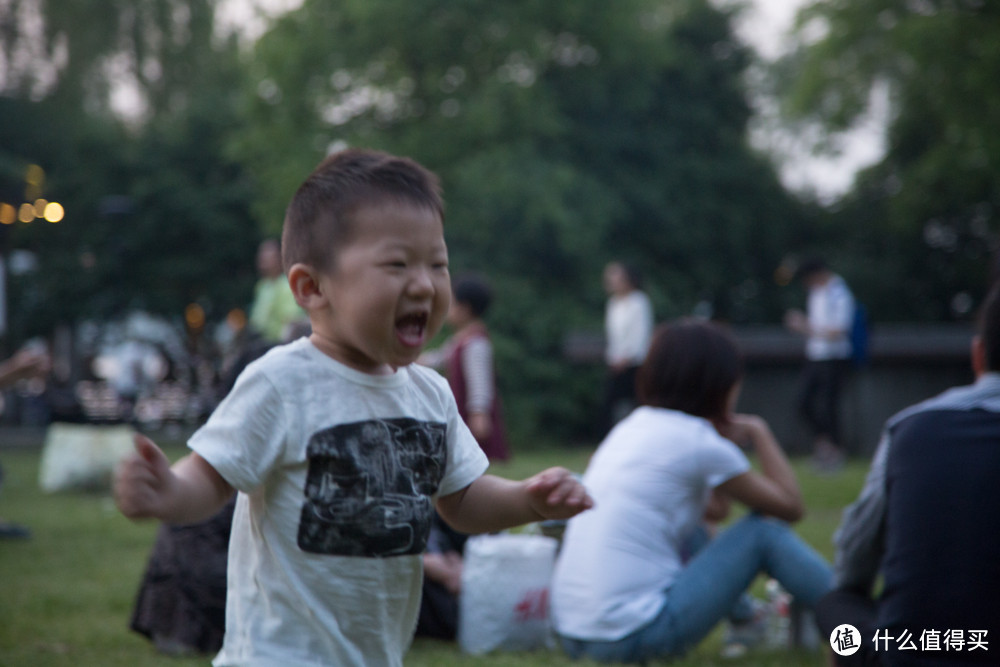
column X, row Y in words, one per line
column 989, row 327
column 473, row 292
column 318, row 220
column 691, row 366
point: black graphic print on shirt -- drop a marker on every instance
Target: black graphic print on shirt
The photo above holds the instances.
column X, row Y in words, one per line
column 368, row 487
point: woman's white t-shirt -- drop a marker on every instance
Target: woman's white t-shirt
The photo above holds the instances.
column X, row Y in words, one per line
column 650, row 480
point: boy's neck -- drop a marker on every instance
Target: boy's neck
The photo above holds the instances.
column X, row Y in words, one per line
column 338, row 355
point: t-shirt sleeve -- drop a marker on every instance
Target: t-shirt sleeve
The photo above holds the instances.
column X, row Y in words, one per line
column 722, row 461
column 244, row 438
column 466, row 460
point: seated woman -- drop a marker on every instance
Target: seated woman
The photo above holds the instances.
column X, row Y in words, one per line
column 623, row 590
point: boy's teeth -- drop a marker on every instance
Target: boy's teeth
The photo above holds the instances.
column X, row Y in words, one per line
column 411, row 331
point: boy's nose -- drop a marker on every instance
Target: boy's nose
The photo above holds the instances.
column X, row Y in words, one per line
column 421, row 283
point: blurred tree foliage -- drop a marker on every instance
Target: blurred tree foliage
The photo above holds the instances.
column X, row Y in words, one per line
column 919, row 227
column 157, row 214
column 566, row 134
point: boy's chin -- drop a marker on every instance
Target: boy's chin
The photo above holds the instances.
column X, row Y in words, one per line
column 405, row 359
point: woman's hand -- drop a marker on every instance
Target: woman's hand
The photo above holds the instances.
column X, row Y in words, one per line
column 744, row 430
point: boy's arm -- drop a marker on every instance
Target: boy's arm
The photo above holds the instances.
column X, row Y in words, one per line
column 491, row 503
column 147, row 487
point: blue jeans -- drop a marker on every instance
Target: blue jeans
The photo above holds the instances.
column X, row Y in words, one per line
column 708, row 586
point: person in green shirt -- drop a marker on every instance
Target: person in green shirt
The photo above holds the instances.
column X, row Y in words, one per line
column 274, row 306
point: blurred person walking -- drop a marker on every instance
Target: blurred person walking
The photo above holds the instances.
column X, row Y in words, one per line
column 826, row 324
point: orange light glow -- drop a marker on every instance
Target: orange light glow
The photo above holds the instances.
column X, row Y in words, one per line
column 35, row 175
column 26, row 213
column 53, row 211
column 194, row 315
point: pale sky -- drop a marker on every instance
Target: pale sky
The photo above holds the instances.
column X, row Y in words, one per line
column 765, row 27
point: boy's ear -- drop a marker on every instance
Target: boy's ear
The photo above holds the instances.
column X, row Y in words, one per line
column 304, row 281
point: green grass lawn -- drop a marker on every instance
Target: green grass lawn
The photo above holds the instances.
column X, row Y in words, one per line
column 68, row 591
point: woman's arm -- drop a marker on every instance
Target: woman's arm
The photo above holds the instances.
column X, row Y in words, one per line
column 717, row 508
column 775, row 490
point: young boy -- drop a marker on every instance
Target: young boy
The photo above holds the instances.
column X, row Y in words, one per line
column 339, row 446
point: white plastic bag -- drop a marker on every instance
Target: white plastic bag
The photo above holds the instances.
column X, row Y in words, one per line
column 78, row 457
column 504, row 604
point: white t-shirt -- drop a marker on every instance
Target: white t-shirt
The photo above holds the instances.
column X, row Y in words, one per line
column 628, row 326
column 650, row 480
column 337, row 471
column 830, row 307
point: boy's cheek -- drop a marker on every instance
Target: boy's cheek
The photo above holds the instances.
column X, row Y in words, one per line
column 435, row 323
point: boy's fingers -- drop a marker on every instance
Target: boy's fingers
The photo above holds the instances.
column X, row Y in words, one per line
column 561, row 488
column 136, row 475
column 569, row 492
column 149, row 452
column 542, row 481
column 144, row 446
column 583, row 499
column 135, row 470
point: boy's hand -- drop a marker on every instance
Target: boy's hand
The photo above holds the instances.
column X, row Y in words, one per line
column 141, row 481
column 557, row 494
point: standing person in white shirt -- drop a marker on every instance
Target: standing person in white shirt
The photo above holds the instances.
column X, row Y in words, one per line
column 826, row 324
column 628, row 326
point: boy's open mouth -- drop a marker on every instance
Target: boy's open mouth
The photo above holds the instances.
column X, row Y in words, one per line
column 410, row 329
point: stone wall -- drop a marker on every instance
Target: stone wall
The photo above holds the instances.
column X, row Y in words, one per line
column 909, row 363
